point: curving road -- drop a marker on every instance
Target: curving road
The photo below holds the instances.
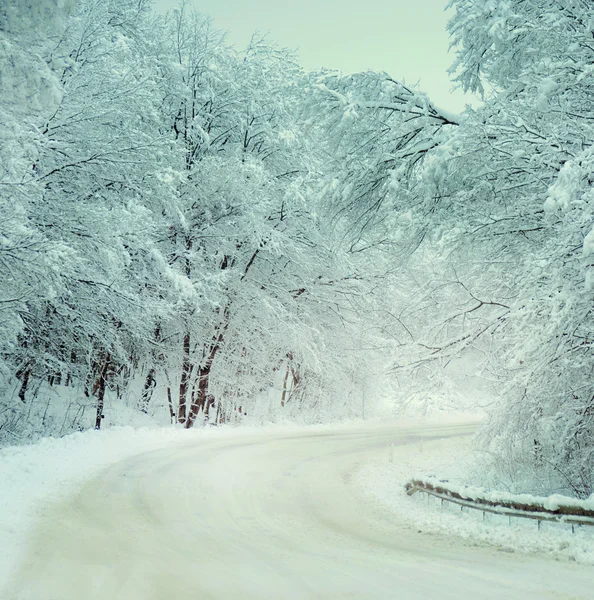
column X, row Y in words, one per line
column 263, row 516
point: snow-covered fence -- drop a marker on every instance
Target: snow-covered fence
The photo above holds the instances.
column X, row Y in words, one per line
column 556, row 508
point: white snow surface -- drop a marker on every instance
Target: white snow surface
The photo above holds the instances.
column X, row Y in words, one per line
column 473, row 492
column 384, row 481
column 273, row 512
column 31, row 477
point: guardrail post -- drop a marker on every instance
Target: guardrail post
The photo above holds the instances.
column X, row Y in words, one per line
column 539, row 522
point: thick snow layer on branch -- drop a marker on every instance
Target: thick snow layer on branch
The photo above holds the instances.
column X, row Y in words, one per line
column 340, row 97
column 447, row 114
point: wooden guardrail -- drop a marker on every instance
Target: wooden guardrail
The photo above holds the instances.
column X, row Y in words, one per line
column 559, row 509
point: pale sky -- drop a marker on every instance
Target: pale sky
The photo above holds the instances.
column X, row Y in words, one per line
column 406, row 38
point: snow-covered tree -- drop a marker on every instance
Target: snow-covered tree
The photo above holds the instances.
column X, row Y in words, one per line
column 84, row 200
column 31, row 90
column 524, row 165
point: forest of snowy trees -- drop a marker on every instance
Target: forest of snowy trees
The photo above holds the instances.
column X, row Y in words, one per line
column 185, row 226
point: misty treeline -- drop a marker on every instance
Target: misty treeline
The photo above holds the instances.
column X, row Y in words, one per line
column 193, row 226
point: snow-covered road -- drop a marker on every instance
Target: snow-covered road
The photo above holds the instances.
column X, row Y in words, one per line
column 265, row 516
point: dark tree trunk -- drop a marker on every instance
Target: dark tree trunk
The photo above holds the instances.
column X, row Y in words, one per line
column 287, row 393
column 184, row 380
column 170, row 402
column 151, row 381
column 296, row 383
column 147, row 391
column 210, row 402
column 24, row 376
column 203, row 378
column 72, row 362
column 90, row 386
column 199, row 400
column 99, row 387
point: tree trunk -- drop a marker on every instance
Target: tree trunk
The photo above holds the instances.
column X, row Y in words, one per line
column 199, row 401
column 100, row 389
column 285, row 379
column 185, row 378
column 25, row 375
column 170, row 402
column 147, row 391
column 221, row 416
column 204, row 372
column 72, row 362
column 210, row 402
column 296, row 384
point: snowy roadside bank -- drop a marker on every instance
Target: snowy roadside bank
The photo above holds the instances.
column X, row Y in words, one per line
column 382, row 481
column 33, row 476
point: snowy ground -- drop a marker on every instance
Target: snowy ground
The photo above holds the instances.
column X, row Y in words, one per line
column 278, row 512
column 33, row 477
column 383, row 479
